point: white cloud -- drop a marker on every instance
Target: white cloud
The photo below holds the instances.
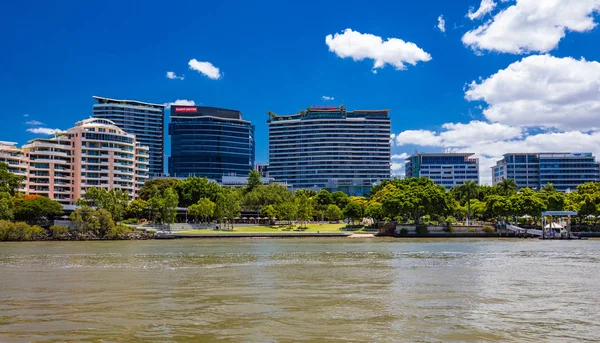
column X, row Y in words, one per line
column 205, row 68
column 34, row 122
column 181, row 102
column 398, row 170
column 459, row 135
column 441, row 25
column 533, row 25
column 26, row 115
column 325, row 97
column 485, row 7
column 393, row 51
column 400, row 157
column 418, row 137
column 44, row 131
column 541, row 90
column 171, row 75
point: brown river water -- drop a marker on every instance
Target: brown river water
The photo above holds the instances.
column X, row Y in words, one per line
column 301, row 290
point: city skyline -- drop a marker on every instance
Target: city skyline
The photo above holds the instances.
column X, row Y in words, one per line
column 473, row 76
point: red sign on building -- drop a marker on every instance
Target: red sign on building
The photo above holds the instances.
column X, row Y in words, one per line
column 186, row 109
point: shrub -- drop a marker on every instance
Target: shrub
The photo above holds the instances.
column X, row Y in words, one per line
column 59, row 232
column 129, row 221
column 450, row 229
column 118, row 232
column 421, row 230
column 20, row 231
column 488, row 229
column 403, row 231
column 471, row 230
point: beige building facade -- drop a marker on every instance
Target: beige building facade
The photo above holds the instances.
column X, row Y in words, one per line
column 94, row 153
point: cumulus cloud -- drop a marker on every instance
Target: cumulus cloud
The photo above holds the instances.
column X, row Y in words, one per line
column 393, row 51
column 441, row 25
column 542, row 90
column 171, row 75
column 205, row 68
column 43, row 130
column 325, row 97
column 485, row 7
column 532, row 25
column 181, row 102
column 34, row 122
column 400, row 157
column 398, row 170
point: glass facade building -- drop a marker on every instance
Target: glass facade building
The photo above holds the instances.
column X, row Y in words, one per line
column 535, row 170
column 446, row 169
column 142, row 119
column 313, row 149
column 210, row 142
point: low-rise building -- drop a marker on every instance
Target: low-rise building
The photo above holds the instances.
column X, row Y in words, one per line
column 446, row 169
column 565, row 171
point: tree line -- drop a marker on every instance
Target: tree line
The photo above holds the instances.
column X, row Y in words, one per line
column 413, row 200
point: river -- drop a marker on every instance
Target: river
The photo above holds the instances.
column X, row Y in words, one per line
column 308, row 290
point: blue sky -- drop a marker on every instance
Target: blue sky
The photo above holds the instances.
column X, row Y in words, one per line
column 494, row 81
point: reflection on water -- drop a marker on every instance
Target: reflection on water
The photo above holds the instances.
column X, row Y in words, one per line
column 310, row 290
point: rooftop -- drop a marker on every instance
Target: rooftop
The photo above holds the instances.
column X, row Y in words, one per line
column 310, row 111
column 440, row 154
column 103, row 100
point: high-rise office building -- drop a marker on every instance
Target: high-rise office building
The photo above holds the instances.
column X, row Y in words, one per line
column 325, row 147
column 210, row 142
column 142, row 119
column 446, row 169
column 94, row 153
column 535, row 170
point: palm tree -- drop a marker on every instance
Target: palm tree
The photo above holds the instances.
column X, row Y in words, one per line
column 469, row 190
column 507, row 186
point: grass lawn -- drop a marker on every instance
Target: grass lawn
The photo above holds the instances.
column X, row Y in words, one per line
column 310, row 228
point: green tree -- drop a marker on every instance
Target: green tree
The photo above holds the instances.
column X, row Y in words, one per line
column 204, row 209
column 270, row 212
column 499, row 206
column 340, row 199
column 33, row 209
column 286, row 211
column 228, row 205
column 114, row 201
column 354, row 211
column 6, row 206
column 304, row 206
column 193, row 189
column 324, row 198
column 254, row 180
column 266, row 195
column 549, row 188
column 333, row 212
column 415, row 197
column 375, row 211
column 168, row 210
column 9, row 182
column 527, row 202
column 163, row 205
column 507, row 187
column 469, row 190
column 138, row 208
column 161, row 184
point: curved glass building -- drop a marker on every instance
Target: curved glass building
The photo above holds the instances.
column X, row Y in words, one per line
column 330, row 148
column 209, row 142
column 142, row 119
